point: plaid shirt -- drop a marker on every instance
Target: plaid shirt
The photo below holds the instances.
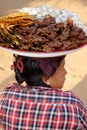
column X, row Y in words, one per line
column 40, row 108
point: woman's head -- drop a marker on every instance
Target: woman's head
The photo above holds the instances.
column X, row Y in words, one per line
column 32, row 70
column 58, row 78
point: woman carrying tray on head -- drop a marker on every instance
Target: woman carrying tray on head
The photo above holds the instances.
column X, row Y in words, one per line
column 40, row 104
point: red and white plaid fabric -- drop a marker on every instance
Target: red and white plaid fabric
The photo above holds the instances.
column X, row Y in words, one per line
column 40, row 108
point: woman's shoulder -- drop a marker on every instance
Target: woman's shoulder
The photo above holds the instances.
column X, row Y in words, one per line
column 75, row 100
column 14, row 87
column 12, row 90
column 67, row 97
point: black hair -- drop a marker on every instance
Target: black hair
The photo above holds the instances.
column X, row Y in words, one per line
column 31, row 75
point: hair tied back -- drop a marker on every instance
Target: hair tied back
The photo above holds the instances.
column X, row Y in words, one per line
column 19, row 65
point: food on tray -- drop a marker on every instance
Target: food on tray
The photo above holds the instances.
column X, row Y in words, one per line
column 22, row 31
column 7, row 36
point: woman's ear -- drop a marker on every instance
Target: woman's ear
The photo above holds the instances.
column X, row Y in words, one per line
column 45, row 80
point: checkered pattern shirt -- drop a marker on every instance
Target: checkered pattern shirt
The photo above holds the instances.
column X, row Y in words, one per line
column 40, row 108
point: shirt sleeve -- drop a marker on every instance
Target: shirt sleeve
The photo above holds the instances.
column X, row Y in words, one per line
column 82, row 112
column 82, row 117
column 1, row 101
column 3, row 96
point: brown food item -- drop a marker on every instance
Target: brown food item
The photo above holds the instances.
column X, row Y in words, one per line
column 46, row 36
column 7, row 36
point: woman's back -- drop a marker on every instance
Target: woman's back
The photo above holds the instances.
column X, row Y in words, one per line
column 41, row 108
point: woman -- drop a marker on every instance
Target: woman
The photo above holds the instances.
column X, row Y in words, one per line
column 41, row 104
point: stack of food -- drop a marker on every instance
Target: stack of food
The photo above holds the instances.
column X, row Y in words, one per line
column 21, row 31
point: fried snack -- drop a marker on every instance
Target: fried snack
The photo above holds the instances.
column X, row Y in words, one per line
column 10, row 21
column 22, row 32
column 13, row 17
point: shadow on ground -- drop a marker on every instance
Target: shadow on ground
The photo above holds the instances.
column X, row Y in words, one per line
column 81, row 90
column 8, row 80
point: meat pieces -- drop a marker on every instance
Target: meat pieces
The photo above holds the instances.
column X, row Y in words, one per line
column 47, row 36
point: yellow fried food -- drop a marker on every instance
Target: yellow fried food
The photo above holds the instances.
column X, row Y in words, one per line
column 17, row 18
column 11, row 20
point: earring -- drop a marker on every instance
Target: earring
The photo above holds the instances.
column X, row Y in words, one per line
column 48, row 83
column 44, row 80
